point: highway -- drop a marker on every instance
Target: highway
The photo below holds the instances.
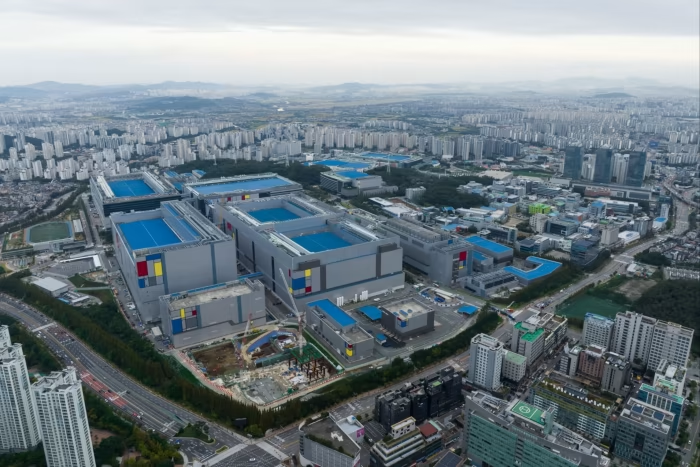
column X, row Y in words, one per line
column 117, row 389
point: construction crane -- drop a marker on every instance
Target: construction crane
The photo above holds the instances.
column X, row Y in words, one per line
column 247, row 328
column 300, row 316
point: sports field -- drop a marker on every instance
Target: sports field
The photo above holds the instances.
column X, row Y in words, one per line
column 579, row 306
column 49, row 231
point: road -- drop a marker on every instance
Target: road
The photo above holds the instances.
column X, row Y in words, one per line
column 117, row 389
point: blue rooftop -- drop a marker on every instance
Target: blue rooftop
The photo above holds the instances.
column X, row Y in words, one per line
column 391, row 157
column 544, row 267
column 127, row 188
column 272, row 215
column 488, row 244
column 318, row 242
column 372, row 312
column 353, row 174
column 148, row 233
column 660, row 219
column 479, row 256
column 240, row 185
column 333, row 312
column 337, row 163
column 450, row 227
column 468, row 309
column 598, row 204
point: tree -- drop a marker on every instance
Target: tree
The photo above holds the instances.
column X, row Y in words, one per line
column 472, row 229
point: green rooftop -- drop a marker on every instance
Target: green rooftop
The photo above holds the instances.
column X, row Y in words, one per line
column 529, row 336
column 529, row 412
column 515, row 357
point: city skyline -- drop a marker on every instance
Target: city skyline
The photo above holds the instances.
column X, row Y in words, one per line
column 376, row 43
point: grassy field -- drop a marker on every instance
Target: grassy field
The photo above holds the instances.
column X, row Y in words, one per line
column 579, row 306
column 49, row 231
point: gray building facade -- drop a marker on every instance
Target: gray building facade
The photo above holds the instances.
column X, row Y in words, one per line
column 339, row 332
column 323, row 253
column 643, row 433
column 323, row 443
column 573, row 161
column 635, row 169
column 407, row 318
column 167, row 250
column 207, row 313
column 602, row 172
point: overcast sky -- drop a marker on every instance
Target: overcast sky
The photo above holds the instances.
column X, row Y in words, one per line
column 332, row 41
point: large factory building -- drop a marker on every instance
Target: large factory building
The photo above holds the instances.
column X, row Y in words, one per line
column 140, row 191
column 239, row 188
column 207, row 313
column 322, row 252
column 170, row 249
column 339, row 332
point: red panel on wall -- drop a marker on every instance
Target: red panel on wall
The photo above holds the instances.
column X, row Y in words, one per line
column 229, row 226
column 142, row 268
column 462, row 255
column 308, row 289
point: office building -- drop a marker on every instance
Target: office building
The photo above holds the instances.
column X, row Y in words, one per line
column 573, row 162
column 435, row 253
column 240, row 188
column 486, row 362
column 130, row 192
column 632, row 336
column 204, row 314
column 63, row 420
column 170, row 249
column 591, row 363
column 538, row 335
column 573, row 406
column 514, row 366
column 597, row 330
column 602, row 171
column 668, row 401
column 352, row 183
column 19, row 430
column 405, row 444
column 616, row 374
column 407, row 318
column 670, row 342
column 324, row 253
column 323, row 442
column 670, row 377
column 636, row 169
column 426, row 398
column 643, row 433
column 498, row 433
column 561, row 227
column 568, row 362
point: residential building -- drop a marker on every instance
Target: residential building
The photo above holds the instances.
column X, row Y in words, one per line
column 323, row 442
column 514, row 366
column 503, row 434
column 597, row 330
column 670, row 377
column 671, row 342
column 406, row 443
column 643, row 433
column 591, row 363
column 632, row 336
column 568, row 362
column 486, row 362
column 527, row 340
column 19, row 429
column 63, row 420
column 665, row 400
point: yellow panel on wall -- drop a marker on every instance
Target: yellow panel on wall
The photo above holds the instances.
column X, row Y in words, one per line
column 182, row 313
column 158, row 268
column 307, row 273
column 348, row 352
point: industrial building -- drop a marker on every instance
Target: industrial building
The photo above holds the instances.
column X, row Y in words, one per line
column 407, row 318
column 170, row 249
column 405, row 444
column 436, row 254
column 395, row 160
column 488, row 283
column 499, row 433
column 207, row 313
column 140, row 191
column 541, row 268
column 323, row 442
column 241, row 187
column 322, row 252
column 643, row 433
column 339, row 332
column 501, row 254
column 425, row 398
column 351, row 183
column 52, row 286
column 341, row 165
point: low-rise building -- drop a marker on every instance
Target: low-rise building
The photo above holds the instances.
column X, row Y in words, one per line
column 405, row 444
column 52, row 286
column 671, row 377
column 663, row 399
column 407, row 318
column 339, row 332
column 323, row 442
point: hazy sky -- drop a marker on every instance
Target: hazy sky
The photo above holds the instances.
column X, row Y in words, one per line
column 331, row 41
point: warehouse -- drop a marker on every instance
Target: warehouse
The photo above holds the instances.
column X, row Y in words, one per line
column 541, row 268
column 170, row 249
column 407, row 318
column 207, row 313
column 434, row 253
column 323, row 252
column 242, row 187
column 339, row 332
column 140, row 191
column 501, row 254
column 52, row 286
column 352, row 183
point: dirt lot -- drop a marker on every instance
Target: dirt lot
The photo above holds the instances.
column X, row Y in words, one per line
column 219, row 360
column 98, row 435
column 633, row 289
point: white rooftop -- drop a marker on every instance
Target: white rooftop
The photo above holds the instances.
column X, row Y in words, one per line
column 50, row 284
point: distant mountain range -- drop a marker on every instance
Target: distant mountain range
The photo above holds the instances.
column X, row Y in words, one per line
column 572, row 87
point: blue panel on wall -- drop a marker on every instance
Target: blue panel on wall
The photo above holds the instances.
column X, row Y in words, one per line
column 177, row 326
column 151, row 257
column 142, row 283
column 299, row 283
